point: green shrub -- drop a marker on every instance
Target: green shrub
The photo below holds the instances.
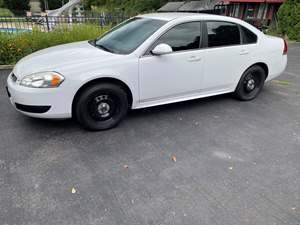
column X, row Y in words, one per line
column 289, row 19
column 13, row 47
column 53, row 4
column 131, row 7
column 16, row 5
column 5, row 12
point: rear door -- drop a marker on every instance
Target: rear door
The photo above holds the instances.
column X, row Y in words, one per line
column 225, row 56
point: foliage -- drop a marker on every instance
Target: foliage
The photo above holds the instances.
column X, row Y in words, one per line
column 13, row 47
column 272, row 31
column 17, row 5
column 5, row 12
column 143, row 6
column 53, row 4
column 289, row 19
column 128, row 6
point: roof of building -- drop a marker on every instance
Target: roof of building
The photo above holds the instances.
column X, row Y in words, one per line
column 171, row 7
column 176, row 15
column 253, row 1
column 168, row 16
column 196, row 6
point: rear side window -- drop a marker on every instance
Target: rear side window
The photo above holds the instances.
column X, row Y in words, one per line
column 182, row 37
column 248, row 36
column 222, row 34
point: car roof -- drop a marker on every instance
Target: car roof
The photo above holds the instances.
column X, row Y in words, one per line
column 175, row 15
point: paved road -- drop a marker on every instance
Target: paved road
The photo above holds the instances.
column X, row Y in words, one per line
column 238, row 163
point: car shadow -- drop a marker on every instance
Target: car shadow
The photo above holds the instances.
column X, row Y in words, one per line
column 179, row 107
column 70, row 125
column 51, row 123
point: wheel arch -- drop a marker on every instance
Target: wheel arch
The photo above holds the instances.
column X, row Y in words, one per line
column 263, row 65
column 110, row 80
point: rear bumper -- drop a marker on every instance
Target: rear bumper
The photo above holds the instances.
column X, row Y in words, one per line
column 277, row 68
column 52, row 103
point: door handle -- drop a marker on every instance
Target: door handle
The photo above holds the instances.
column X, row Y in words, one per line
column 194, row 59
column 244, row 52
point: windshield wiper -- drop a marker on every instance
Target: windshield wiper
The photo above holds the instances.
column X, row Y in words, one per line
column 94, row 43
column 104, row 48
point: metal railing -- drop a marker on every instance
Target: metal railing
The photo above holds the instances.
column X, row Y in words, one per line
column 47, row 23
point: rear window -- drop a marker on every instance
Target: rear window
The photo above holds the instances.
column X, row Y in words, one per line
column 248, row 36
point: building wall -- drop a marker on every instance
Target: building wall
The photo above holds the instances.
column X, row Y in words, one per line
column 263, row 13
column 35, row 6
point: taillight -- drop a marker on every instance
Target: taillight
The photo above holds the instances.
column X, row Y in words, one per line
column 285, row 50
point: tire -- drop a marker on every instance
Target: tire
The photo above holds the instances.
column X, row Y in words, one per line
column 101, row 107
column 250, row 84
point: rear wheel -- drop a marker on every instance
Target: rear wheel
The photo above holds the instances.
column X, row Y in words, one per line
column 251, row 84
column 101, row 107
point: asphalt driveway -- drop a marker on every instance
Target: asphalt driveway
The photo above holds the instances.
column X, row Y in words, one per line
column 237, row 163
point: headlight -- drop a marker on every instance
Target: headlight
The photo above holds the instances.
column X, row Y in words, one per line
column 42, row 80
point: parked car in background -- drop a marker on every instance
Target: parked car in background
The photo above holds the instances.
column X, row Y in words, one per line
column 148, row 60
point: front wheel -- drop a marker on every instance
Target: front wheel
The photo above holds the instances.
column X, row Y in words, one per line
column 101, row 107
column 251, row 84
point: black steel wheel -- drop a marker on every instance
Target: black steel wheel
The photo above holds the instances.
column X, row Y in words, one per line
column 101, row 107
column 251, row 84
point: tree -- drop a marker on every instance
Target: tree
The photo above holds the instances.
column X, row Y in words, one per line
column 89, row 3
column 53, row 4
column 144, row 5
column 17, row 5
column 129, row 6
column 289, row 19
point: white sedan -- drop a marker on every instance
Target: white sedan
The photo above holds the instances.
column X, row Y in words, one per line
column 148, row 60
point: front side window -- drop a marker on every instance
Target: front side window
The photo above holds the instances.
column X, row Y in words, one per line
column 182, row 37
column 222, row 34
column 128, row 36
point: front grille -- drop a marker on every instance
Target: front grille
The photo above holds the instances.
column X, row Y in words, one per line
column 13, row 77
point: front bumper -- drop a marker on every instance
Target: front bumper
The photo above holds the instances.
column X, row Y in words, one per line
column 53, row 103
column 33, row 108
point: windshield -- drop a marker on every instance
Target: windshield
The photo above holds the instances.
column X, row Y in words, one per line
column 128, row 36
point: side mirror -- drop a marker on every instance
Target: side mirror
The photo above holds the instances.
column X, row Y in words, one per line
column 162, row 49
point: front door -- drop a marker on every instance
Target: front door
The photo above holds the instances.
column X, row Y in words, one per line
column 176, row 74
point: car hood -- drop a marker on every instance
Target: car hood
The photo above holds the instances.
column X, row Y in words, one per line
column 62, row 57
